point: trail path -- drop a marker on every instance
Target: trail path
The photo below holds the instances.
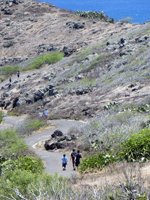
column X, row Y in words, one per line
column 52, row 160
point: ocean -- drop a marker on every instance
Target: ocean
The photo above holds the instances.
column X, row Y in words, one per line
column 138, row 11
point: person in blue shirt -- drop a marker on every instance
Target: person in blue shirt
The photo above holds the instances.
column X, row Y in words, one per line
column 64, row 161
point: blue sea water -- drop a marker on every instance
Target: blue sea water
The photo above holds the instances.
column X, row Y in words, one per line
column 137, row 10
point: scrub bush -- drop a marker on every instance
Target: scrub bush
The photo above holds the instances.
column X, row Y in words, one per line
column 137, row 147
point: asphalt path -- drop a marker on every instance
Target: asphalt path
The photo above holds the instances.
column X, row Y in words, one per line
column 51, row 159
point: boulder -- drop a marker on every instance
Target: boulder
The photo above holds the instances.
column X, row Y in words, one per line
column 7, row 11
column 52, row 92
column 8, row 44
column 68, row 51
column 7, row 103
column 2, row 103
column 46, row 47
column 38, row 96
column 55, row 145
column 28, row 101
column 75, row 25
column 82, row 91
column 15, row 102
column 57, row 133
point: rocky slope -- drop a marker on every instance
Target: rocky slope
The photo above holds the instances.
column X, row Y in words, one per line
column 106, row 65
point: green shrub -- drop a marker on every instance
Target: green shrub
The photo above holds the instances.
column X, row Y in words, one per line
column 49, row 58
column 18, row 178
column 137, row 147
column 34, row 186
column 94, row 15
column 8, row 70
column 33, row 125
column 95, row 162
column 28, row 163
column 11, row 144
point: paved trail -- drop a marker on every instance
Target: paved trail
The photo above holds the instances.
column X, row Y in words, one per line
column 52, row 160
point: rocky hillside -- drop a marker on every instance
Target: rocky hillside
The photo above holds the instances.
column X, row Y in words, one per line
column 106, row 65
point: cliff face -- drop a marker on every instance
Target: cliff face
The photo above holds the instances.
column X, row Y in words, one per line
column 106, row 65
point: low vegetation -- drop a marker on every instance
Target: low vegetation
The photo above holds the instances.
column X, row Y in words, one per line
column 8, row 70
column 30, row 125
column 95, row 15
column 38, row 62
column 22, row 176
column 11, row 145
column 18, row 167
column 135, row 148
column 49, row 58
column 34, row 124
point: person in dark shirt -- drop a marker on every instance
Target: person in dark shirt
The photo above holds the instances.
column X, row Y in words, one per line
column 18, row 74
column 73, row 158
column 78, row 157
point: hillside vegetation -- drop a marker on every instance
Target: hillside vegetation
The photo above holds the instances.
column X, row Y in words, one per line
column 78, row 66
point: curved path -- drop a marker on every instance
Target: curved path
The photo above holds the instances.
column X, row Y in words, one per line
column 52, row 160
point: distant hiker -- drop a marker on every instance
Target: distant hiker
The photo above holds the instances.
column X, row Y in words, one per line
column 45, row 113
column 64, row 161
column 10, row 80
column 78, row 157
column 18, row 74
column 73, row 158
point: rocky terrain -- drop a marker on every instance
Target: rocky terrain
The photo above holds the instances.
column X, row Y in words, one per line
column 106, row 65
column 95, row 97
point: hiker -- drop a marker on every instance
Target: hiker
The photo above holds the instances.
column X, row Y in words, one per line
column 45, row 113
column 18, row 74
column 73, row 158
column 64, row 161
column 10, row 80
column 78, row 157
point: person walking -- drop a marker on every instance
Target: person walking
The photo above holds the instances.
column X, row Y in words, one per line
column 73, row 158
column 64, row 162
column 45, row 114
column 78, row 157
column 18, row 74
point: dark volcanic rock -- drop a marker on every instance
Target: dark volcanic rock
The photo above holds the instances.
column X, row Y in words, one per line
column 75, row 25
column 15, row 102
column 57, row 133
column 55, row 145
column 46, row 47
column 68, row 51
column 8, row 11
column 8, row 44
column 82, row 91
column 38, row 96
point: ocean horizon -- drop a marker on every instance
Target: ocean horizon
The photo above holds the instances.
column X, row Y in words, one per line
column 136, row 10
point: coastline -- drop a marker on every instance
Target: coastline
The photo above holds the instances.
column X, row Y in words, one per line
column 129, row 13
